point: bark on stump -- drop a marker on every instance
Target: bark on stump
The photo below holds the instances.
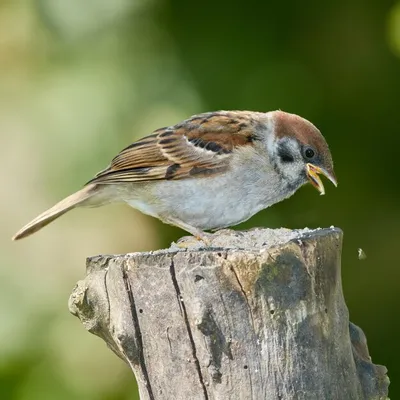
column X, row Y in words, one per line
column 256, row 315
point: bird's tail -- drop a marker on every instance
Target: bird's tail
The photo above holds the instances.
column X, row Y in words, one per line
column 82, row 197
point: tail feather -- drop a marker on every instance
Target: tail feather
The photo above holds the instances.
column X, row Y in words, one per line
column 76, row 199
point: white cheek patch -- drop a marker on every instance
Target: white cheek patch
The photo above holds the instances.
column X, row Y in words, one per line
column 291, row 169
column 293, row 146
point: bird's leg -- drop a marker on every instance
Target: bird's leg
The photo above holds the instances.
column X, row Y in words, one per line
column 197, row 233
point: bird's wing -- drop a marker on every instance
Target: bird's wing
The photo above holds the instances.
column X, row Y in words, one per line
column 200, row 146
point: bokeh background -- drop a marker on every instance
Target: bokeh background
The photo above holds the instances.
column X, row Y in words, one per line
column 80, row 80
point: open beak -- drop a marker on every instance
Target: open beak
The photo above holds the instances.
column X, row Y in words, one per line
column 312, row 173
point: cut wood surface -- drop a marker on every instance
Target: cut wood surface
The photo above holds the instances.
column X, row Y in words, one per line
column 255, row 315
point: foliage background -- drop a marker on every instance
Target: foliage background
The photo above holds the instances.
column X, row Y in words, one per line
column 79, row 80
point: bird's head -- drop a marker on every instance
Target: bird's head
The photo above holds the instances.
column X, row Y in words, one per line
column 299, row 151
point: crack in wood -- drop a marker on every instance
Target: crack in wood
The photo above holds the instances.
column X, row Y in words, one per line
column 109, row 337
column 245, row 296
column 188, row 328
column 138, row 335
column 169, row 340
column 217, row 344
column 108, row 311
column 252, row 323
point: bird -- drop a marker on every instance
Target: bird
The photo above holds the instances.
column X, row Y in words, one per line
column 211, row 171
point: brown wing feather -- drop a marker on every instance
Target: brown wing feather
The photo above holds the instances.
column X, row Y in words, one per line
column 199, row 146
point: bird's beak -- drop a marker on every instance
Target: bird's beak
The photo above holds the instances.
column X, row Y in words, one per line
column 312, row 174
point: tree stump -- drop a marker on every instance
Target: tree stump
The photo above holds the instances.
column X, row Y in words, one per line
column 256, row 315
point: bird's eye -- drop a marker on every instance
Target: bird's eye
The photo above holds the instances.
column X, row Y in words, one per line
column 309, row 153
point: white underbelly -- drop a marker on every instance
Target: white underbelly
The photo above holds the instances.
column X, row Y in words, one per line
column 144, row 207
column 206, row 203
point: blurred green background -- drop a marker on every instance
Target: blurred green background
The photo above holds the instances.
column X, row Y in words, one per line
column 80, row 80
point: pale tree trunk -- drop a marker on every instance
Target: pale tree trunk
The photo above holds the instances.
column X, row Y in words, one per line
column 256, row 315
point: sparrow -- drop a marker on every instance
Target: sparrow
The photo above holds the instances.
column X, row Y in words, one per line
column 211, row 171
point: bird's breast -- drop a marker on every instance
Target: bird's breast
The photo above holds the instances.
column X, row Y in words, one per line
column 213, row 202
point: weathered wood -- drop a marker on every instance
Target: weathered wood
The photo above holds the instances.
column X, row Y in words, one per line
column 257, row 315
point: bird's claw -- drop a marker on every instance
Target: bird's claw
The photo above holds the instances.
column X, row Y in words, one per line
column 191, row 241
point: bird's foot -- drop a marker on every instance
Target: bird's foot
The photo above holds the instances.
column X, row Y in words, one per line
column 195, row 240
